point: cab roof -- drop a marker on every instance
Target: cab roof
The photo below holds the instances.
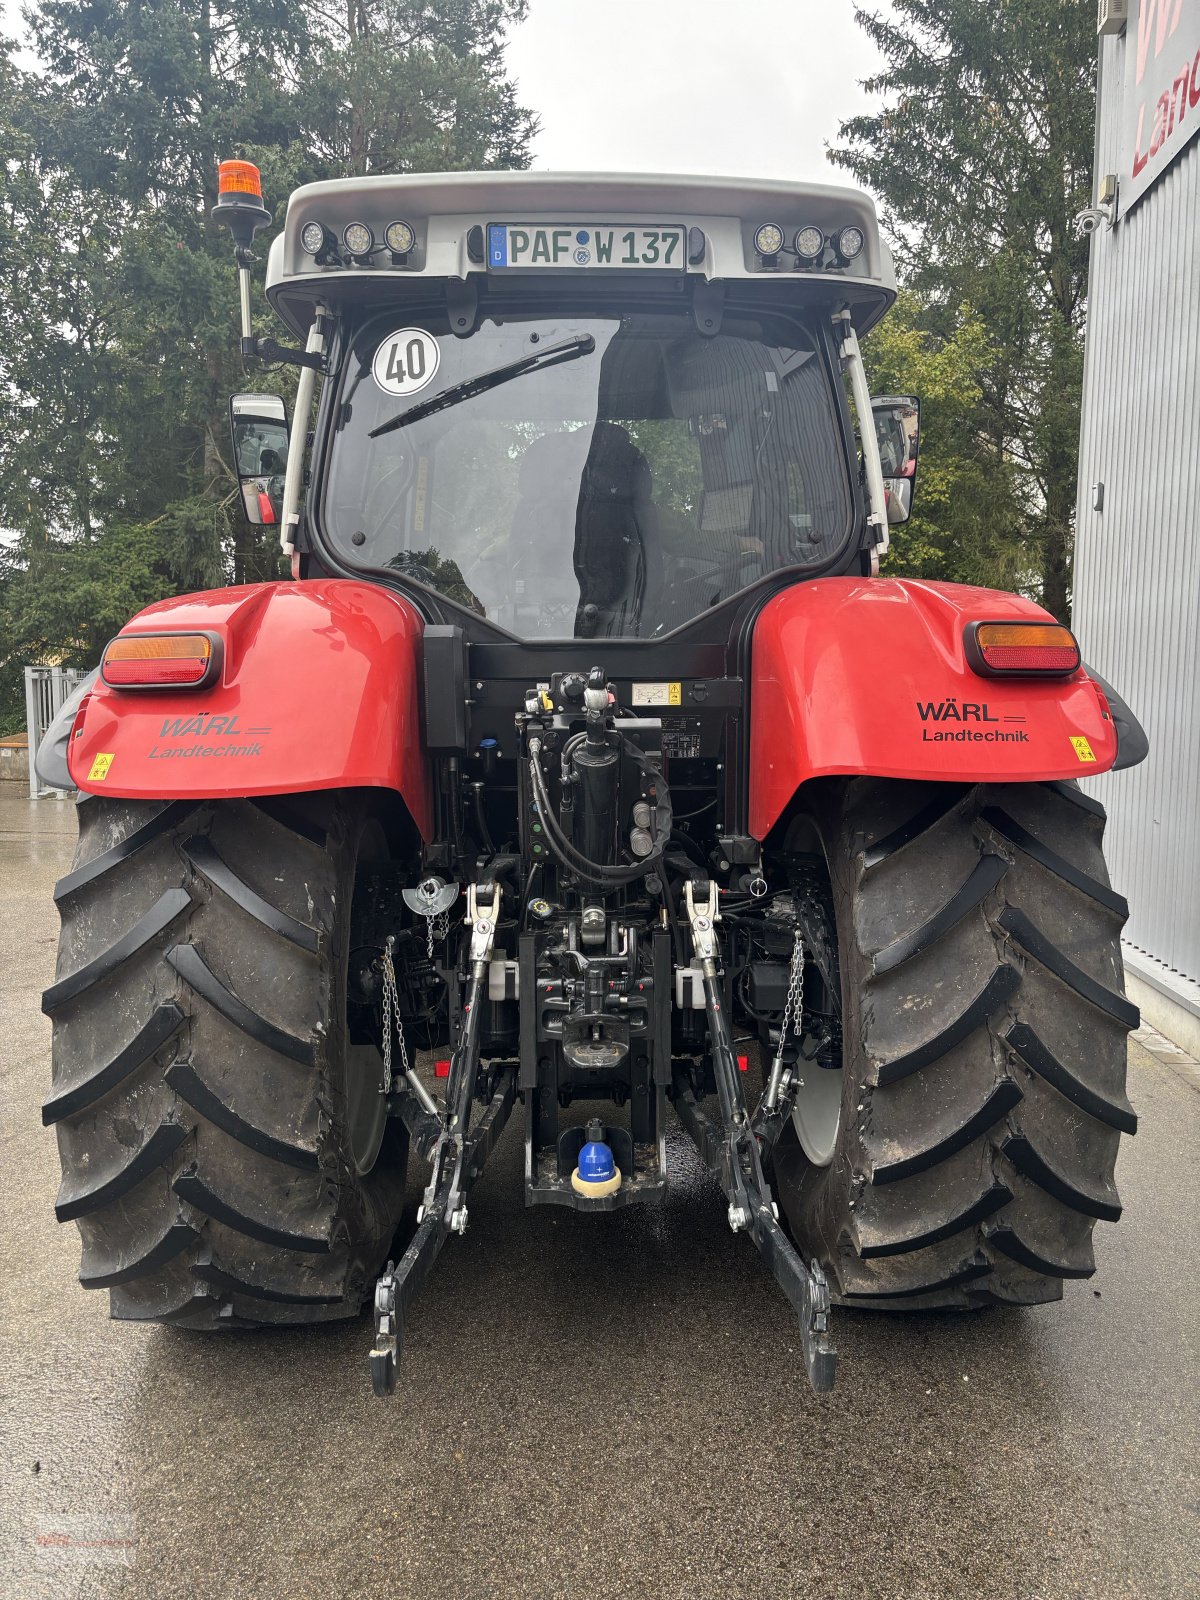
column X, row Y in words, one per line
column 449, row 213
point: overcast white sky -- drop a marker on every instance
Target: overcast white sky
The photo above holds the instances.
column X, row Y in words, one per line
column 742, row 87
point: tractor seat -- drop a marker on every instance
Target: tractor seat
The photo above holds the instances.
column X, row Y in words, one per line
column 617, row 552
column 548, row 499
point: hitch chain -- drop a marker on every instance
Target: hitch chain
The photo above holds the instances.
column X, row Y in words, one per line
column 393, row 1025
column 793, row 1011
column 437, row 926
column 391, row 1018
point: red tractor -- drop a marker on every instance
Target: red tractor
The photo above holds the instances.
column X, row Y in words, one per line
column 589, row 765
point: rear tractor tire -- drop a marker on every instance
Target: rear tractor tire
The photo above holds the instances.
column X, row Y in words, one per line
column 984, row 1046
column 224, row 1146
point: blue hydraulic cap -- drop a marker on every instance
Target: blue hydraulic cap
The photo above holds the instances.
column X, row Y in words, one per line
column 597, row 1174
column 596, row 1164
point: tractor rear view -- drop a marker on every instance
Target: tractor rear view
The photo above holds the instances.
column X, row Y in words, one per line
column 588, row 757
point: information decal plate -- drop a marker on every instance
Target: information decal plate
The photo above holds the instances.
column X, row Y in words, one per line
column 657, row 694
column 575, row 246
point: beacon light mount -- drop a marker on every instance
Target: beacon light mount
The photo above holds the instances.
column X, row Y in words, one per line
column 240, row 208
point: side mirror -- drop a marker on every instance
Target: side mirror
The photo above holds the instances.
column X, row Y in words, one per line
column 898, row 429
column 258, row 423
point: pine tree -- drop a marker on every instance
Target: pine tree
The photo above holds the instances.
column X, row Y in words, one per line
column 114, row 379
column 981, row 154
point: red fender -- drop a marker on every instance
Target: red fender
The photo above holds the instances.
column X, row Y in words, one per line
column 318, row 690
column 869, row 675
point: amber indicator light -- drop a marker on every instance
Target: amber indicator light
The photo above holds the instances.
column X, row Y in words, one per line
column 239, row 177
column 159, row 661
column 998, row 648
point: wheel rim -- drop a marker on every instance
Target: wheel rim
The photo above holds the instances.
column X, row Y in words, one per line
column 817, row 1113
column 817, row 1108
column 365, row 1103
column 366, row 1108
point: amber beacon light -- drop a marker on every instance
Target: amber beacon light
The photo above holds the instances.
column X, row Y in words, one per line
column 240, row 201
column 161, row 661
column 240, row 208
column 1004, row 649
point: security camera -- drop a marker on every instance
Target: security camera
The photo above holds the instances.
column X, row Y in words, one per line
column 1088, row 221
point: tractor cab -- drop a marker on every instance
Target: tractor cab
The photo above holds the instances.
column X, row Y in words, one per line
column 583, row 407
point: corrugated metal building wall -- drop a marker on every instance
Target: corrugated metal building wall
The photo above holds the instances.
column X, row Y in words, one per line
column 1137, row 570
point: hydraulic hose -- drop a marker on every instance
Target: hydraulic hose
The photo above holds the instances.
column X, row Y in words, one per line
column 572, row 859
column 485, row 833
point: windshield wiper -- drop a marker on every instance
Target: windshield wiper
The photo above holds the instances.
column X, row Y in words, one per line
column 569, row 350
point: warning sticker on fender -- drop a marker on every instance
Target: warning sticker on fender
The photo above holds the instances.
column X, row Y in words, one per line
column 658, row 694
column 406, row 361
column 1082, row 748
column 99, row 770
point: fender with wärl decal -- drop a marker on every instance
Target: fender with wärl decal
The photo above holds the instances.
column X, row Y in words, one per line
column 304, row 686
column 875, row 676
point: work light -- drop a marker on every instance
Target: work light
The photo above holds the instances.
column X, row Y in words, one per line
column 358, row 239
column 314, row 237
column 849, row 243
column 399, row 238
column 768, row 240
column 809, row 243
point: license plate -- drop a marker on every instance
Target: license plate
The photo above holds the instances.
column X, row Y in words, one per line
column 526, row 246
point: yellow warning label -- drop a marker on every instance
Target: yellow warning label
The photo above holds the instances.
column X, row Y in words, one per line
column 1082, row 748
column 675, row 696
column 100, row 768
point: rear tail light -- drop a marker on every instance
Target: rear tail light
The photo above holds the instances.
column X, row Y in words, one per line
column 998, row 649
column 161, row 661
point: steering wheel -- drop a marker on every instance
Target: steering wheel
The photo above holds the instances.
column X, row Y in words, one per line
column 387, row 493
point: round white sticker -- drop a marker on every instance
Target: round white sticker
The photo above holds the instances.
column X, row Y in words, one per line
column 406, row 361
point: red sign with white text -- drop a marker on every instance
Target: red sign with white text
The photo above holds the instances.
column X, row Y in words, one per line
column 1162, row 90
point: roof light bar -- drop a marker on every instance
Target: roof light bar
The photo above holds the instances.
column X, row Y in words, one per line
column 1014, row 649
column 161, row 660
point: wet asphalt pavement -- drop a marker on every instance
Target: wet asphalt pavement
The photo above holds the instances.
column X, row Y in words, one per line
column 590, row 1407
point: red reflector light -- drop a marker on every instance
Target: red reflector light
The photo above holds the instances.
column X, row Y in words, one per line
column 743, row 1063
column 996, row 648
column 159, row 661
column 239, row 177
column 441, row 1069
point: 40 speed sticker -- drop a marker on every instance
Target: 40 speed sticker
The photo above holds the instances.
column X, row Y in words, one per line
column 406, row 361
